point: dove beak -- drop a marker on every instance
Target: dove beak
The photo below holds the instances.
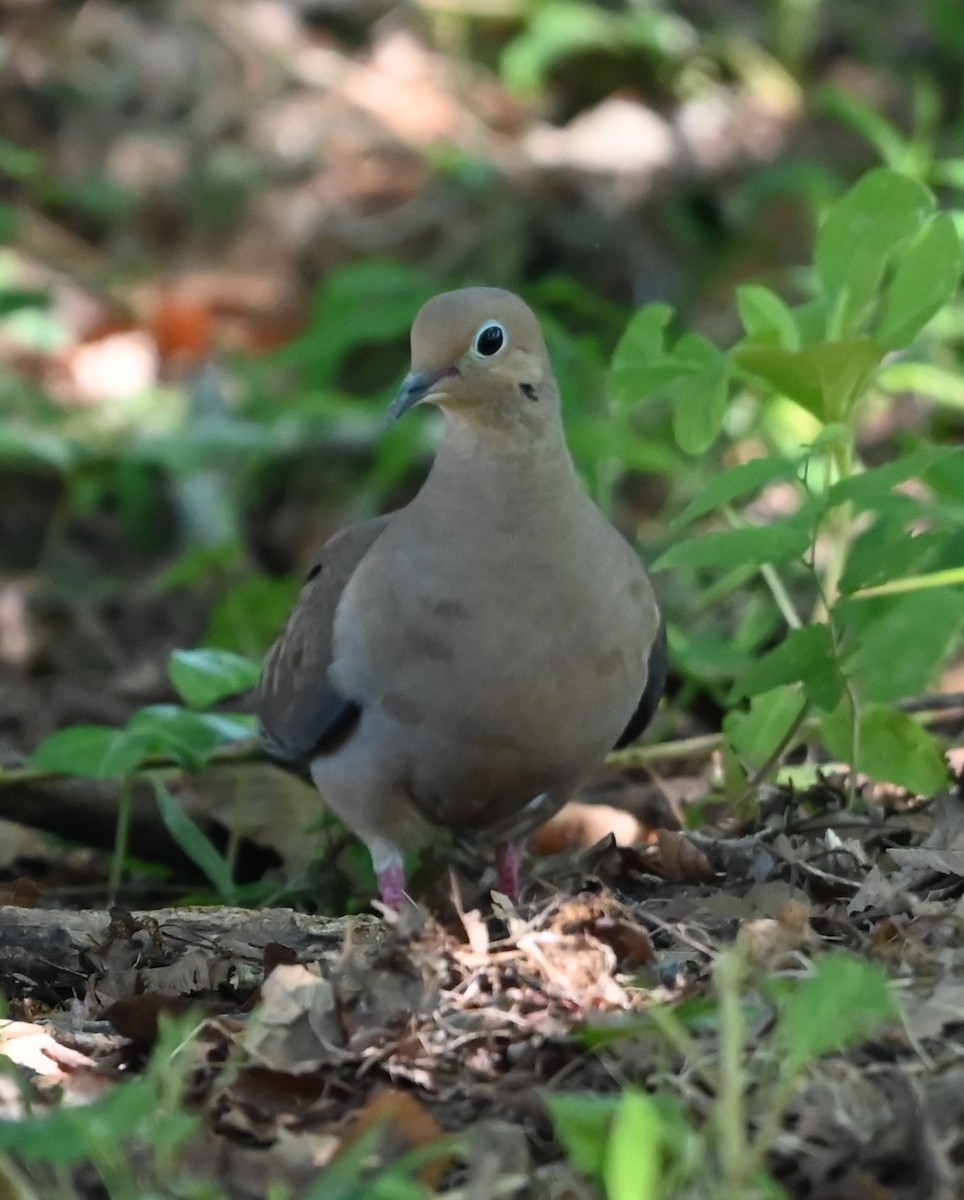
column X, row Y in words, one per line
column 416, row 387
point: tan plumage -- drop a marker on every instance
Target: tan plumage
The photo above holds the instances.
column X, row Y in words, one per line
column 486, row 645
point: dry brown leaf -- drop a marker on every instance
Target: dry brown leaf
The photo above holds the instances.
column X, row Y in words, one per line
column 34, row 1047
column 672, row 855
column 609, row 922
column 20, row 893
column 405, row 1125
column 137, row 1017
column 771, row 941
column 944, row 1007
column 630, row 942
column 578, row 826
column 296, row 1028
column 183, row 329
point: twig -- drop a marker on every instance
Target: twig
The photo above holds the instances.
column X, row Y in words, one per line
column 696, row 747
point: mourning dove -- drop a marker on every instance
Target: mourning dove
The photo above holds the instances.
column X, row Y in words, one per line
column 465, row 661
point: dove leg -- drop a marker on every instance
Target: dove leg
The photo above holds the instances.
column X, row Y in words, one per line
column 391, row 884
column 508, row 868
column 390, row 870
column 363, row 797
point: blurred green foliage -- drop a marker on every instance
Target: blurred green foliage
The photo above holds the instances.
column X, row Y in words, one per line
column 878, row 569
column 639, row 1146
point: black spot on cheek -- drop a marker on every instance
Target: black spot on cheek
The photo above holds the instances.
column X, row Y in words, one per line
column 528, row 390
column 313, row 573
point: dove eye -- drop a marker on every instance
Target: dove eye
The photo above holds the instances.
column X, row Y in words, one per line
column 489, row 340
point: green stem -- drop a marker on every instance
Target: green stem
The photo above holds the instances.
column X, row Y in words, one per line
column 231, row 754
column 731, row 1107
column 840, row 529
column 771, row 577
column 851, row 694
column 953, row 576
column 121, row 837
column 680, row 1040
column 761, row 773
column 781, row 596
column 641, row 756
column 778, row 1101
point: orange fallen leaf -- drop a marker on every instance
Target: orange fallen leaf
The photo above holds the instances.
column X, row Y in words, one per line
column 406, row 1125
column 20, row 893
column 183, row 330
column 578, row 826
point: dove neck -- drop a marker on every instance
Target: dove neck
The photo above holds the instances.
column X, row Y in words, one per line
column 470, row 449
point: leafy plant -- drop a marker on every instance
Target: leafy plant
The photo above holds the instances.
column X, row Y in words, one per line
column 644, row 1147
column 561, row 28
column 133, row 1137
column 155, row 738
column 861, row 569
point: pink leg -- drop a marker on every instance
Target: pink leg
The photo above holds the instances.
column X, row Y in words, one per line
column 508, row 866
column 391, row 885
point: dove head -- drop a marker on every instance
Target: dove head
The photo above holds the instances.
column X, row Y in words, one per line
column 479, row 354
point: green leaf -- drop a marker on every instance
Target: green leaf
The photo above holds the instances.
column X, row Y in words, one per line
column 79, row 751
column 734, row 483
column 926, row 278
column 862, row 232
column 45, row 447
column 582, row 1121
column 148, row 1109
column 805, row 656
column 886, row 139
column 251, row 614
column 891, row 747
column 14, row 299
column 936, row 383
column 19, row 162
column 555, row 31
column 188, row 737
column 205, row 676
column 640, row 363
column 756, row 734
column 631, row 1166
column 885, row 551
column 866, row 488
column 67, row 1134
column 360, row 305
column 699, row 397
column 738, row 547
column 709, row 657
column 99, row 752
column 129, row 751
column 10, row 220
column 833, row 436
column 904, row 644
column 824, row 379
column 766, row 317
column 843, row 1001
column 951, row 577
column 192, row 840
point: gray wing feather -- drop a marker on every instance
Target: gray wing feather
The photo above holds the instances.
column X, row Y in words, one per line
column 299, row 711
